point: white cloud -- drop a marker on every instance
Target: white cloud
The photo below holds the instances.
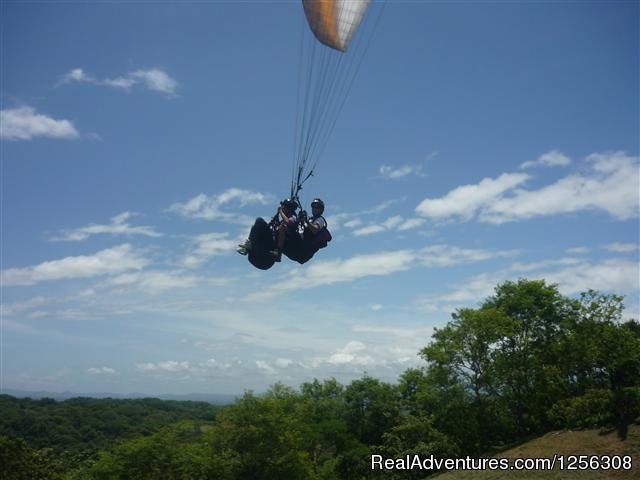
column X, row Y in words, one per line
column 533, row 266
column 349, row 354
column 554, row 158
column 395, row 331
column 411, row 223
column 167, row 366
column 210, row 207
column 465, row 294
column 265, row 367
column 622, row 247
column 24, row 123
column 207, row 369
column 356, row 222
column 391, row 223
column 616, row 275
column 105, row 262
column 284, row 362
column 573, row 276
column 448, row 255
column 383, row 205
column 77, row 75
column 118, row 226
column 376, row 307
column 378, row 264
column 383, row 263
column 611, row 185
column 22, row 306
column 577, row 250
column 465, row 201
column 155, row 282
column 154, row 79
column 102, row 371
column 208, row 245
column 368, row 230
column 390, row 173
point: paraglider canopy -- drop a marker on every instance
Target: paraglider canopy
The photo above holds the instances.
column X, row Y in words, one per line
column 334, row 22
column 333, row 45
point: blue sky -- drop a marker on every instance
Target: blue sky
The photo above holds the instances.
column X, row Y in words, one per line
column 482, row 142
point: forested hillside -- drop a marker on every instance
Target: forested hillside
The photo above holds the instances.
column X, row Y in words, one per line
column 527, row 361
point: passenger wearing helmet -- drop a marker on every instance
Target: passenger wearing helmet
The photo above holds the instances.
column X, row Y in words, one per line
column 314, row 236
column 284, row 226
column 317, row 222
column 267, row 240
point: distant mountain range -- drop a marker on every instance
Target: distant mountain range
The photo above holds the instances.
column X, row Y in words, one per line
column 213, row 398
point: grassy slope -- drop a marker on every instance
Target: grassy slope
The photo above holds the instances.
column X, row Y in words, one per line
column 587, row 442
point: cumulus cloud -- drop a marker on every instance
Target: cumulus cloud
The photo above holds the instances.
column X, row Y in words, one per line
column 394, row 173
column 617, row 275
column 411, row 223
column 102, row 371
column 356, row 355
column 347, row 360
column 77, row 75
column 14, row 308
column 391, row 223
column 350, row 354
column 208, row 245
column 355, row 220
column 377, row 264
column 167, row 366
column 611, row 185
column 265, row 367
column 154, row 79
column 118, row 226
column 572, row 276
column 368, row 230
column 554, row 158
column 622, row 247
column 105, row 262
column 284, row 362
column 472, row 290
column 465, row 201
column 577, row 250
column 407, row 333
column 206, row 369
column 24, row 123
column 210, row 207
column 448, row 255
column 158, row 281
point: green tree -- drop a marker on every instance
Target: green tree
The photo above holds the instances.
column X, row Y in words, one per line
column 372, row 409
column 466, row 349
column 264, row 437
column 528, row 362
column 416, row 435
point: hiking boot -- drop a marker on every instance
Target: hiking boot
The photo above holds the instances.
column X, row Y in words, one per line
column 243, row 248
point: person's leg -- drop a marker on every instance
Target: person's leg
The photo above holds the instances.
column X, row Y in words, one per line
column 282, row 232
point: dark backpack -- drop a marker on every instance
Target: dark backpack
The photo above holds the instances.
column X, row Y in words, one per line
column 322, row 238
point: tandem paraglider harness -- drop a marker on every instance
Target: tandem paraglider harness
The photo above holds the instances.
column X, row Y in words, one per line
column 321, row 238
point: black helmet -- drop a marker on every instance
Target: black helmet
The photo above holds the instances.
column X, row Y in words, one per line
column 289, row 202
column 317, row 202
